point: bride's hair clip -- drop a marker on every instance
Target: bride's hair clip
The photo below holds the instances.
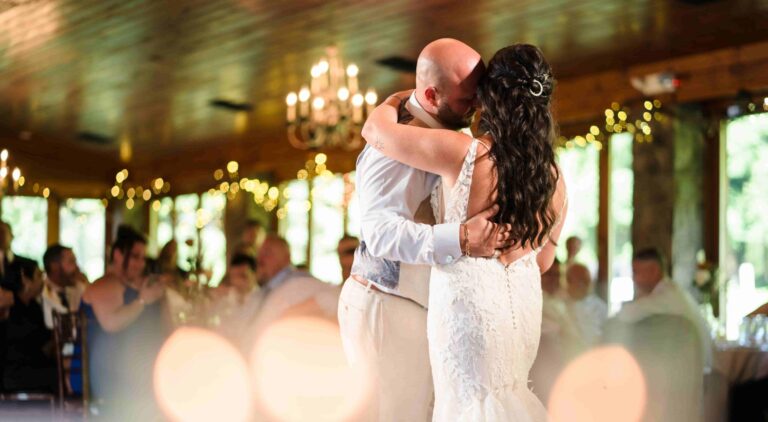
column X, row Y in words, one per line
column 537, row 88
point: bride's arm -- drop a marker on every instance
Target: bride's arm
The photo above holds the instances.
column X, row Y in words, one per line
column 438, row 151
column 546, row 256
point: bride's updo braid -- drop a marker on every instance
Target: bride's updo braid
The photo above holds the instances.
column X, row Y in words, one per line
column 515, row 96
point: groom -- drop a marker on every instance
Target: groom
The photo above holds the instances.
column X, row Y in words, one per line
column 383, row 305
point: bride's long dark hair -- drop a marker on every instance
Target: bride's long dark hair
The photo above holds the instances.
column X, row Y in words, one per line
column 515, row 96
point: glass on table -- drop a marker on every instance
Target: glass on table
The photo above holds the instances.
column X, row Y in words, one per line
column 745, row 331
column 758, row 330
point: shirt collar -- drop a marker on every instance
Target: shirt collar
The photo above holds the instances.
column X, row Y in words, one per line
column 663, row 284
column 418, row 112
column 279, row 278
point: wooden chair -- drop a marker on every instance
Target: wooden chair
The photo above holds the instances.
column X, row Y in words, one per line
column 69, row 332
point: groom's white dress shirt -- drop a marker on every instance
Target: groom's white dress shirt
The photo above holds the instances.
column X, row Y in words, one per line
column 390, row 193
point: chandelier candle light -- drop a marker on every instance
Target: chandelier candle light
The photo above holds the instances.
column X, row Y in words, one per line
column 15, row 175
column 331, row 111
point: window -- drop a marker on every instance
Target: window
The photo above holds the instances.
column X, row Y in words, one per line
column 622, row 181
column 293, row 227
column 28, row 217
column 580, row 168
column 327, row 227
column 185, row 231
column 326, row 209
column 82, row 227
column 744, row 255
column 161, row 224
column 212, row 238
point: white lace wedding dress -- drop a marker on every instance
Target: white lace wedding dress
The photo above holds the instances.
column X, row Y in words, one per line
column 484, row 323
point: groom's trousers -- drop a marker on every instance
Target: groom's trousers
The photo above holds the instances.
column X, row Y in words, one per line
column 387, row 335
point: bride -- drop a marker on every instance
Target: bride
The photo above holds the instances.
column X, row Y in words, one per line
column 484, row 315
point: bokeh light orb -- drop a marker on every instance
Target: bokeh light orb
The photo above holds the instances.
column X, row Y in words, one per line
column 603, row 385
column 199, row 376
column 301, row 374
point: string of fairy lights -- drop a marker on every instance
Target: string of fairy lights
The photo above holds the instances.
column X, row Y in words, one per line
column 12, row 181
column 227, row 181
column 617, row 119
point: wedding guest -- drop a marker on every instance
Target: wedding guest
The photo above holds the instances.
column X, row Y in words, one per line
column 239, row 285
column 125, row 328
column 657, row 294
column 560, row 340
column 346, row 251
column 237, row 300
column 667, row 337
column 28, row 361
column 285, row 287
column 573, row 247
column 251, row 237
column 588, row 311
column 64, row 283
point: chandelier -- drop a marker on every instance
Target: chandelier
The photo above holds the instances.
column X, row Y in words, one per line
column 331, row 111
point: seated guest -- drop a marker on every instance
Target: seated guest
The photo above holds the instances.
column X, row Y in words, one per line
column 250, row 239
column 668, row 339
column 28, row 362
column 64, row 283
column 239, row 285
column 125, row 329
column 237, row 299
column 588, row 311
column 346, row 250
column 241, row 276
column 560, row 340
column 284, row 287
column 573, row 247
column 656, row 294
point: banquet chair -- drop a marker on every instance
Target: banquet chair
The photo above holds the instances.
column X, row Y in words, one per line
column 669, row 352
column 69, row 335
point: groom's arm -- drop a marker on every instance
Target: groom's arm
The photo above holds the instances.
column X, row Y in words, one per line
column 389, row 193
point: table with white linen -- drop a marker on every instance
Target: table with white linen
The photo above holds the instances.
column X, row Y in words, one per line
column 733, row 364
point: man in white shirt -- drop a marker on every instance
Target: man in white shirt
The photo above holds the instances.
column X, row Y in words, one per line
column 656, row 294
column 382, row 308
column 588, row 311
column 560, row 338
column 64, row 284
column 284, row 288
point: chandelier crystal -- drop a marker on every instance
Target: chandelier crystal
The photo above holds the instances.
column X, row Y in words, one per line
column 329, row 113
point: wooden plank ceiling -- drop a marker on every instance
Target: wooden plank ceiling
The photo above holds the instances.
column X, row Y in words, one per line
column 113, row 83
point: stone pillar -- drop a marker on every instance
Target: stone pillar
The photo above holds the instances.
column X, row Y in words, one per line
column 668, row 198
column 654, row 192
column 688, row 227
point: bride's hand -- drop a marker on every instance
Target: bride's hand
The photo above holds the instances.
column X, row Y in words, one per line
column 395, row 99
column 485, row 237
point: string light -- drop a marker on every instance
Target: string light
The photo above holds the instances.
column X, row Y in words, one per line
column 617, row 120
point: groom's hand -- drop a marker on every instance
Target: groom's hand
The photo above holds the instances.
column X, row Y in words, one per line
column 484, row 236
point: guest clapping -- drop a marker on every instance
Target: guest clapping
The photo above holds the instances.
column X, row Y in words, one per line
column 125, row 325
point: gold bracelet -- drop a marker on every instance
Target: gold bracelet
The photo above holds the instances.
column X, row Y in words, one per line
column 466, row 240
